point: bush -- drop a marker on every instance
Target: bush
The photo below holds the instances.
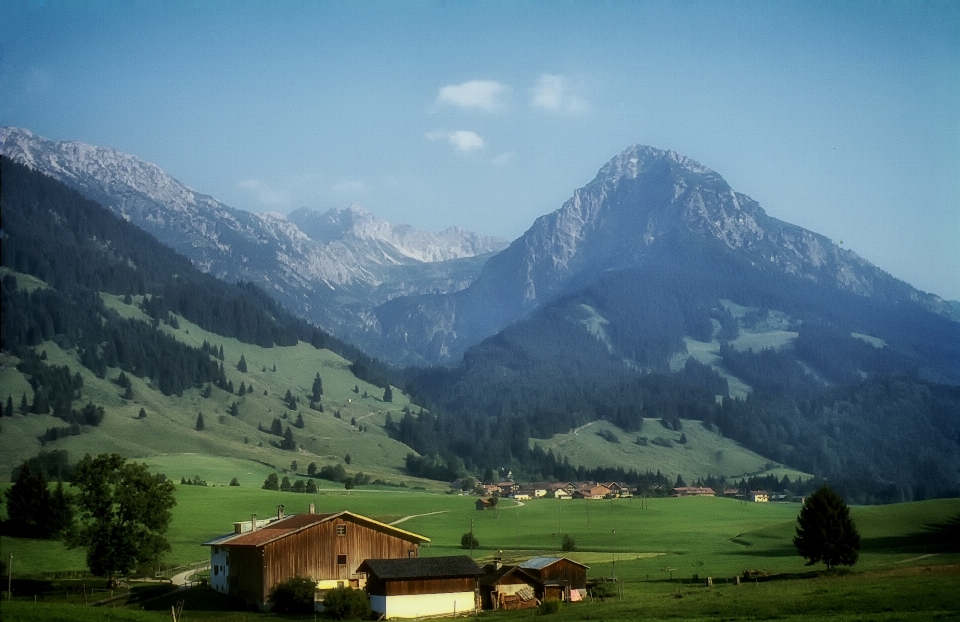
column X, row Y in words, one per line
column 548, row 606
column 294, row 596
column 344, row 603
column 469, row 541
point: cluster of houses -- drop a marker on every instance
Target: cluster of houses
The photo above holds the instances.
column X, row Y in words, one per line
column 593, row 490
column 344, row 549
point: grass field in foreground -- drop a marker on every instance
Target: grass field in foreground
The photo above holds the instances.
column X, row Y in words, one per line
column 900, row 576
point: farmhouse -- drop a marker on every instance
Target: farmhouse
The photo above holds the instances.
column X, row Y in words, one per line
column 759, row 496
column 329, row 548
column 422, row 587
column 692, row 491
column 591, row 491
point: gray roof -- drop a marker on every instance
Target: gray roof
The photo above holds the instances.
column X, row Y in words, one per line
column 538, row 563
column 421, row 567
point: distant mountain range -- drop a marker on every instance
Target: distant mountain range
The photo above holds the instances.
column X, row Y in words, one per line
column 332, row 267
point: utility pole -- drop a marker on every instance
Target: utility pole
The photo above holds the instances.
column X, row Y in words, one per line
column 471, row 538
column 10, row 577
column 518, row 529
column 613, row 571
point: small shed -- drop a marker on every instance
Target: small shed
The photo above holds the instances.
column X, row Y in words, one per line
column 508, row 587
column 485, row 504
column 556, row 575
column 422, row 587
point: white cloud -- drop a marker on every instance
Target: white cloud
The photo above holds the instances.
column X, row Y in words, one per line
column 485, row 95
column 556, row 93
column 266, row 195
column 462, row 140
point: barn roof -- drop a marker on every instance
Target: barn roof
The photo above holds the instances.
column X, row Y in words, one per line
column 421, row 567
column 538, row 563
column 298, row 522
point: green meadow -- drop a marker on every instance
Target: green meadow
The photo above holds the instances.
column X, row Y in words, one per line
column 654, row 547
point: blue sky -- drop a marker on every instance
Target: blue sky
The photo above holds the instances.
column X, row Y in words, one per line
column 842, row 117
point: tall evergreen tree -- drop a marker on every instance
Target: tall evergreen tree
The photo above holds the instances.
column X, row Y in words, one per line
column 826, row 532
column 199, row 424
column 28, row 504
column 388, row 394
column 317, row 388
column 242, row 365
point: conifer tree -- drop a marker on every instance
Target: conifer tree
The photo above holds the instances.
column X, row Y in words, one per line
column 242, row 365
column 299, row 422
column 317, row 388
column 199, row 426
column 826, row 532
column 388, row 394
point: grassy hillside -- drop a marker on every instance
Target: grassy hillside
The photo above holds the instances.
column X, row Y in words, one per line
column 169, row 425
column 704, row 453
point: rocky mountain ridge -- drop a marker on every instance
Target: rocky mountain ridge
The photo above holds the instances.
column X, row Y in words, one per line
column 638, row 208
column 341, row 252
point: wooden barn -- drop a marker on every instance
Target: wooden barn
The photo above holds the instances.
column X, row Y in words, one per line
column 422, row 587
column 556, row 576
column 328, row 548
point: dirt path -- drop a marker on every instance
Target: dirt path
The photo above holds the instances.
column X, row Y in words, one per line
column 585, row 425
column 180, row 580
column 406, row 518
column 913, row 559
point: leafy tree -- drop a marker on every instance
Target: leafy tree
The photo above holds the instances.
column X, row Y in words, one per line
column 293, row 466
column 311, row 487
column 124, row 514
column 294, row 596
column 298, row 486
column 285, row 484
column 199, row 424
column 242, row 365
column 568, row 544
column 825, row 531
column 272, row 482
column 234, row 482
column 345, row 603
column 347, row 459
column 469, row 541
column 312, row 469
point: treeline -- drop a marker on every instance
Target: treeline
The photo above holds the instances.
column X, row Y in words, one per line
column 79, row 249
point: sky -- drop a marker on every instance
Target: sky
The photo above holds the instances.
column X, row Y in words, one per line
column 841, row 117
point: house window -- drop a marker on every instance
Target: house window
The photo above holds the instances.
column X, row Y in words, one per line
column 215, row 570
column 341, row 530
column 340, row 584
column 341, row 560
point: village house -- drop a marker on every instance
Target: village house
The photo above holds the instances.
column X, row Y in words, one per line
column 692, row 491
column 422, row 587
column 616, row 490
column 759, row 496
column 591, row 491
column 508, row 487
column 328, row 548
column 534, row 491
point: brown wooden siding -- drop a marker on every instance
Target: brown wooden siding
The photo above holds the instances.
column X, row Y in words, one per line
column 246, row 573
column 313, row 553
column 565, row 572
column 405, row 587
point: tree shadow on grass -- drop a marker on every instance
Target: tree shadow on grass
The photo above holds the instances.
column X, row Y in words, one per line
column 197, row 598
column 933, row 538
